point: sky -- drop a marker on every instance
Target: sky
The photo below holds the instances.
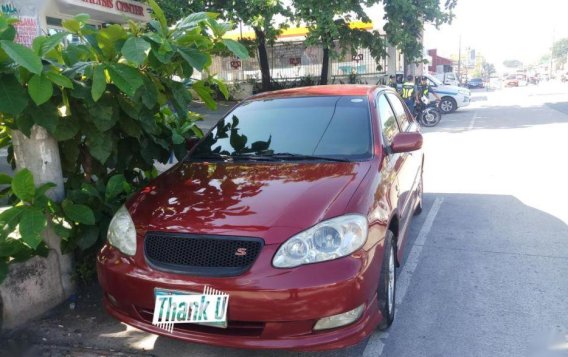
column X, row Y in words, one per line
column 502, row 29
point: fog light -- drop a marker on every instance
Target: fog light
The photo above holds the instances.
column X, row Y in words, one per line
column 340, row 320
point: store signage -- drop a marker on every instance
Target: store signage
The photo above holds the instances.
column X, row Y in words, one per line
column 128, row 8
column 122, row 6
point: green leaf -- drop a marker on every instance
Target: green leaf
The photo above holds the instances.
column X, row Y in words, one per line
column 222, row 87
column 238, row 49
column 114, row 186
column 32, row 223
column 40, row 89
column 159, row 15
column 72, row 25
column 46, row 116
column 13, row 96
column 149, row 94
column 62, row 231
column 23, row 185
column 51, row 41
column 176, row 138
column 88, row 237
column 100, row 146
column 204, row 93
column 22, row 56
column 78, row 213
column 11, row 217
column 135, row 50
column 42, row 190
column 3, row 270
column 59, row 79
column 9, row 34
column 24, row 123
column 195, row 58
column 126, row 78
column 103, row 115
column 5, row 179
column 66, row 129
column 99, row 82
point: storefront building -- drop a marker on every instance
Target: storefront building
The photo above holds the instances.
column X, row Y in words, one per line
column 46, row 16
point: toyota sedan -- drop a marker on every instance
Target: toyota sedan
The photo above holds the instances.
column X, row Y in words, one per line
column 281, row 229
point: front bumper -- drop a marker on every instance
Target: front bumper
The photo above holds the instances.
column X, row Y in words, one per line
column 268, row 308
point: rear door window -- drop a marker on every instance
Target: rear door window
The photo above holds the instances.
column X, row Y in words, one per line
column 389, row 126
column 401, row 115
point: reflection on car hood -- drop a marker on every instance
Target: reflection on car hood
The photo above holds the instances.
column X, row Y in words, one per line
column 271, row 201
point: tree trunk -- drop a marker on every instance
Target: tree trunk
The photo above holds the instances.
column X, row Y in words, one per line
column 263, row 59
column 325, row 66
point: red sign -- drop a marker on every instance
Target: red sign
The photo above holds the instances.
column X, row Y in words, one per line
column 294, row 61
column 235, row 64
column 27, row 30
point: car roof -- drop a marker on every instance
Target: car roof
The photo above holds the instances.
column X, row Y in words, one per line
column 315, row 91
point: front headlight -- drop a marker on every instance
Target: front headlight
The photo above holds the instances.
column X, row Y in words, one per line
column 121, row 232
column 328, row 240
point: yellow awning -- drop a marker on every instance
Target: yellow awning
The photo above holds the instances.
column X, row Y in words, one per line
column 295, row 31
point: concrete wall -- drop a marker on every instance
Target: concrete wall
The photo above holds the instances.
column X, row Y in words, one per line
column 31, row 289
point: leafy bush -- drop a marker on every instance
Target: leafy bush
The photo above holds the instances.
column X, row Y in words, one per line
column 116, row 102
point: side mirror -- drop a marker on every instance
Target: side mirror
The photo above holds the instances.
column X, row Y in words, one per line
column 191, row 142
column 406, row 142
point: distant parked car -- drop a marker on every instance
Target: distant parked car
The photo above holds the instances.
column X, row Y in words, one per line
column 511, row 81
column 475, row 83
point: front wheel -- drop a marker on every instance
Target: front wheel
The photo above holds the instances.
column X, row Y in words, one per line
column 430, row 117
column 387, row 283
column 448, row 105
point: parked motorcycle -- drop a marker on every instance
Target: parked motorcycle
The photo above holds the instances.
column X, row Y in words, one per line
column 427, row 112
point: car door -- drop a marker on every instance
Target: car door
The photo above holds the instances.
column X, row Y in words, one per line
column 409, row 175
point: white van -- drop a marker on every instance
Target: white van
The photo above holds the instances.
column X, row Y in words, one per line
column 448, row 78
column 453, row 97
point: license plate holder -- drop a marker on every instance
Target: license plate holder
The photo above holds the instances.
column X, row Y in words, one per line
column 211, row 304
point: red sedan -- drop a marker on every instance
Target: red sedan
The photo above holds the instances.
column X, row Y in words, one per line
column 281, row 229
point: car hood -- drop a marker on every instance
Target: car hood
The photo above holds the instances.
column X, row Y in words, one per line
column 270, row 201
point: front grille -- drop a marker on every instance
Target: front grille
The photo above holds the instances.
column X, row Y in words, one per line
column 234, row 328
column 201, row 255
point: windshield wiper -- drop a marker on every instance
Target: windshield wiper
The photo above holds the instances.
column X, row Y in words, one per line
column 210, row 156
column 290, row 156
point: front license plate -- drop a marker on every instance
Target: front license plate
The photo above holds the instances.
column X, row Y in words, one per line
column 173, row 307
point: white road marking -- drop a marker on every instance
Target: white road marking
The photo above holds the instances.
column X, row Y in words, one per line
column 472, row 122
column 376, row 342
column 375, row 345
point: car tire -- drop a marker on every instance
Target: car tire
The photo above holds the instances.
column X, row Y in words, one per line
column 448, row 105
column 419, row 205
column 386, row 294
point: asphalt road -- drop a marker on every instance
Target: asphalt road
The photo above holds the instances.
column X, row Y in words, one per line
column 486, row 267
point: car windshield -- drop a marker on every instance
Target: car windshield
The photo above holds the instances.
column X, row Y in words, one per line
column 320, row 127
column 436, row 81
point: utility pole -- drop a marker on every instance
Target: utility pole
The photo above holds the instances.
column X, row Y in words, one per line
column 551, row 53
column 459, row 59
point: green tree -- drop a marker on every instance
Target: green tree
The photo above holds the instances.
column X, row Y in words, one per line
column 406, row 19
column 178, row 9
column 560, row 51
column 114, row 105
column 258, row 14
column 328, row 23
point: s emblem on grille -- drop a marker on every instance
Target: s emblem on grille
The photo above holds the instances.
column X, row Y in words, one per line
column 241, row 252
